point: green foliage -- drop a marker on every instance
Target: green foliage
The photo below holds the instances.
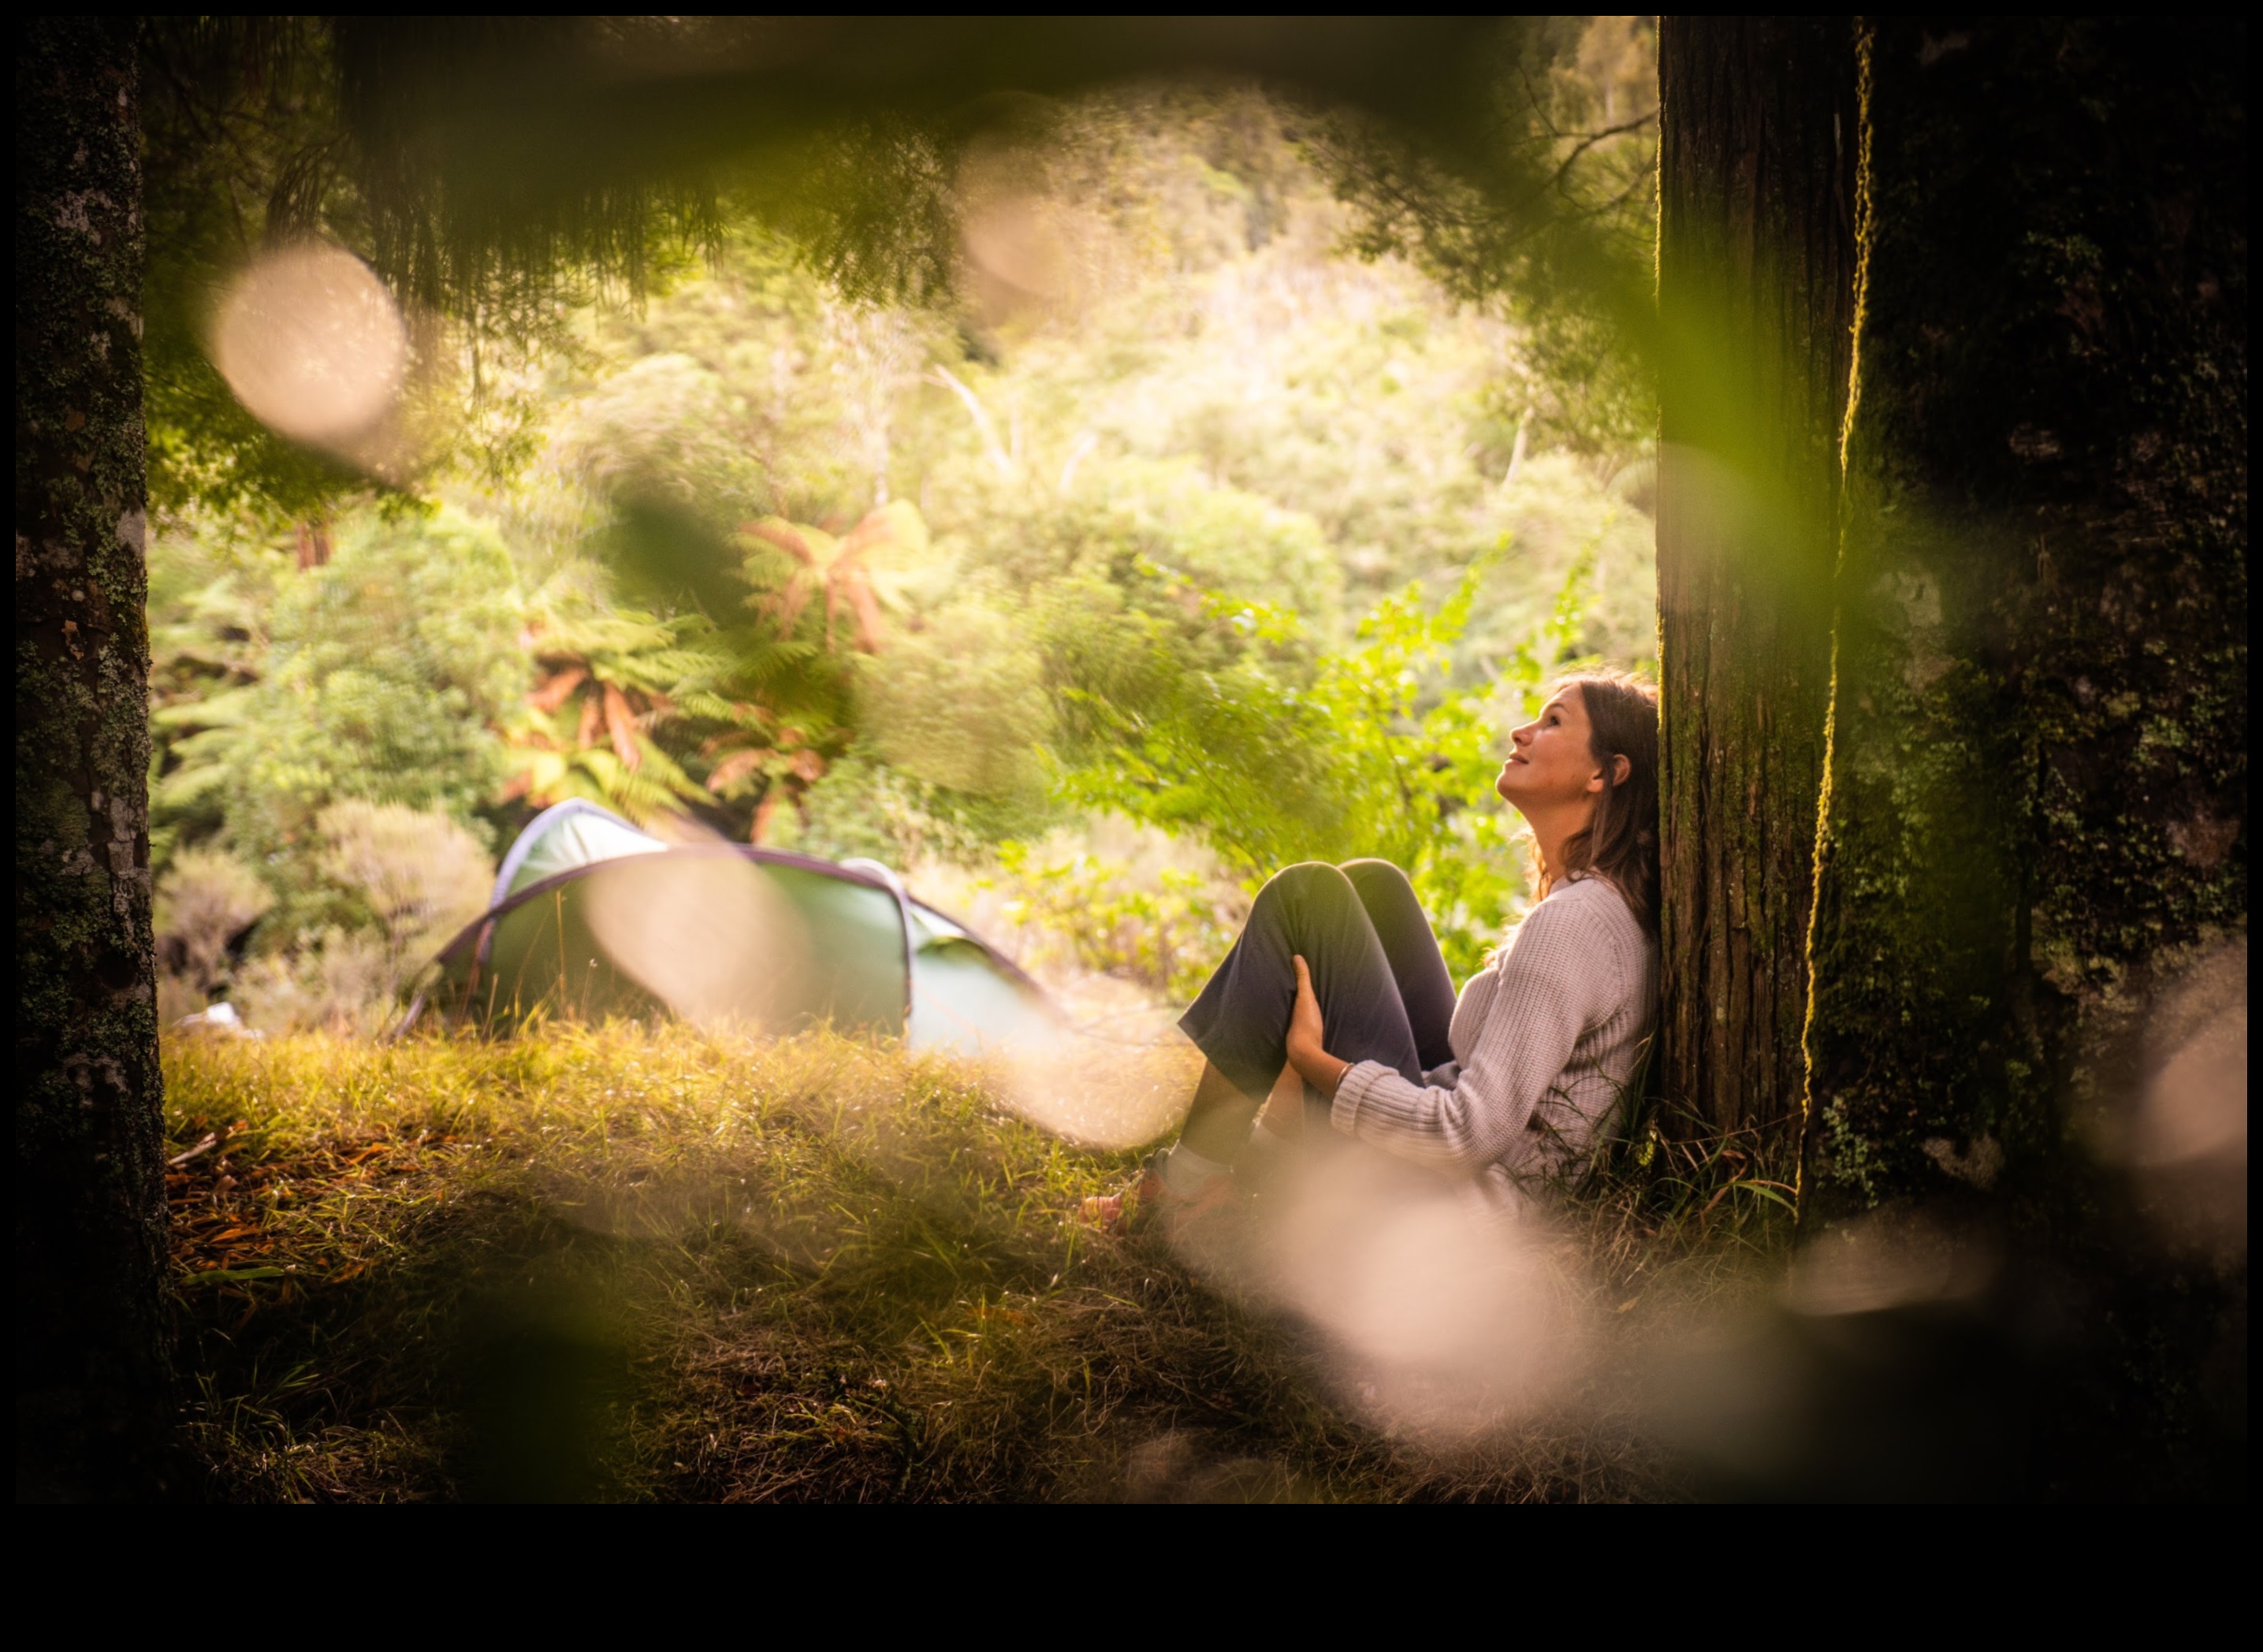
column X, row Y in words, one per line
column 327, row 752
column 661, row 430
column 748, row 389
column 401, row 883
column 384, row 675
column 864, row 805
column 1166, row 934
column 1126, row 512
column 264, row 132
column 1415, row 760
column 422, row 877
column 924, row 586
column 1551, row 214
column 205, row 902
column 379, row 890
column 611, row 676
column 961, row 704
column 239, row 152
column 1369, row 750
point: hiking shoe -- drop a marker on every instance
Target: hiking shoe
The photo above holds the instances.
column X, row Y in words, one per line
column 1149, row 1203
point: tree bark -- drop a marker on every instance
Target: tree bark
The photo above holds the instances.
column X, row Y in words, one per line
column 2035, row 811
column 1756, row 265
column 92, row 1371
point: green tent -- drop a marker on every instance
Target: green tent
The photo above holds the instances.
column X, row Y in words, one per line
column 592, row 918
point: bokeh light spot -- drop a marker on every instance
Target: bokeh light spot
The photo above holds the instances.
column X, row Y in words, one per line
column 312, row 344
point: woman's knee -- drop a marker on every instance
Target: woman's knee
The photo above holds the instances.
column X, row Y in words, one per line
column 1382, row 887
column 1303, row 877
column 1302, row 885
column 1367, row 874
column 1389, row 896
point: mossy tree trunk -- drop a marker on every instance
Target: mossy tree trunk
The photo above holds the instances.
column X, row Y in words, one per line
column 91, row 1362
column 2036, row 802
column 1756, row 265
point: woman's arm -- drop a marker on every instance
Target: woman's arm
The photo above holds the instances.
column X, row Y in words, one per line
column 1318, row 1068
column 1558, row 978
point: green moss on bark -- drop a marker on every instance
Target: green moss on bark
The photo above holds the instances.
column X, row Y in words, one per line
column 2038, row 788
column 91, row 1349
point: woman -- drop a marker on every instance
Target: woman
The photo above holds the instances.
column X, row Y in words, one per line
column 1338, row 975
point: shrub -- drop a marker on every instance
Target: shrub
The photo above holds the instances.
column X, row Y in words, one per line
column 961, row 704
column 422, row 876
column 1165, row 931
column 332, row 981
column 205, row 903
column 400, row 883
column 383, row 674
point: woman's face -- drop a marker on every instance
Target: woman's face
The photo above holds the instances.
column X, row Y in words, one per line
column 1551, row 762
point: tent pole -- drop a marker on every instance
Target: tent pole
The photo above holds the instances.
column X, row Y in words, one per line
column 903, row 918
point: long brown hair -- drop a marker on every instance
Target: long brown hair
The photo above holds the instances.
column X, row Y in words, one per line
column 1620, row 844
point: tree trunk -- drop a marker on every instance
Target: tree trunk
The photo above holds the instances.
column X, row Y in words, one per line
column 2036, row 813
column 2028, row 946
column 1756, row 265
column 2038, row 795
column 91, row 1360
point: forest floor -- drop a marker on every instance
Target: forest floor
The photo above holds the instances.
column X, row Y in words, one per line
column 626, row 1264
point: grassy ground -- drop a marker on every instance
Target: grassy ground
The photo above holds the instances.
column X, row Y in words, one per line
column 634, row 1264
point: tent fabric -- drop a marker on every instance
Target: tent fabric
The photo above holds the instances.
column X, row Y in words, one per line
column 575, row 832
column 865, row 955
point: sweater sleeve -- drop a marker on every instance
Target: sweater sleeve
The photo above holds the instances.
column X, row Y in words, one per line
column 1550, row 990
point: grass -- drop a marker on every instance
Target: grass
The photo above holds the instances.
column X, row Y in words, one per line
column 662, row 1264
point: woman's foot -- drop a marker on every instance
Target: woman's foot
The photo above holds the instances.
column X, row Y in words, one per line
column 1171, row 1197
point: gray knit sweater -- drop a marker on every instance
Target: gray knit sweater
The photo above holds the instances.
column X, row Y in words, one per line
column 1546, row 1039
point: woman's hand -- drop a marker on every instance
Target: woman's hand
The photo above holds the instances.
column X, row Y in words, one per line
column 1320, row 1070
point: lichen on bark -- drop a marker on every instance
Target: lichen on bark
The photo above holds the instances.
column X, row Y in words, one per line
column 90, row 1211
